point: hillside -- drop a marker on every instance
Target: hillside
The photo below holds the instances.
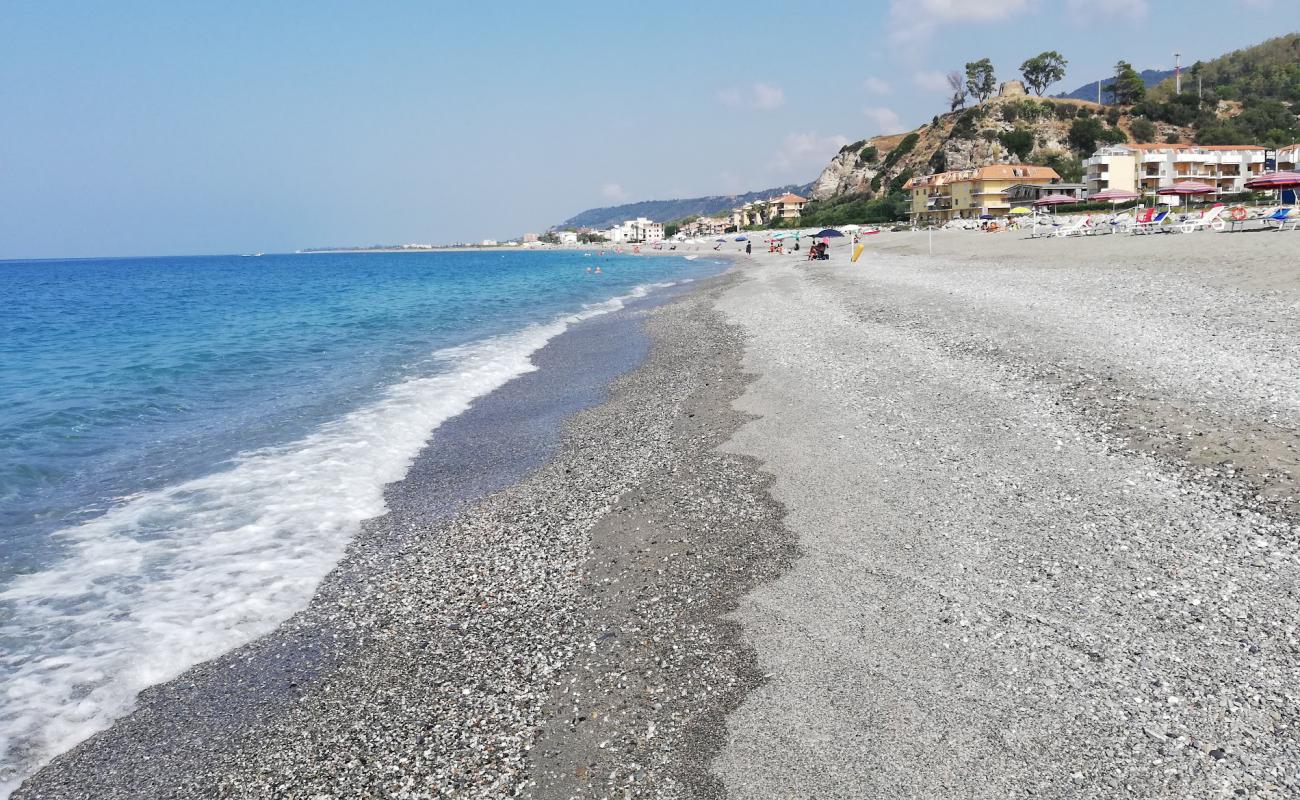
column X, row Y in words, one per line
column 1249, row 97
column 669, row 210
column 1002, row 130
column 1088, row 91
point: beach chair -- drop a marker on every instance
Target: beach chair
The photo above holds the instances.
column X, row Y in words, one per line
column 1210, row 219
column 1281, row 217
column 1079, row 228
column 1151, row 225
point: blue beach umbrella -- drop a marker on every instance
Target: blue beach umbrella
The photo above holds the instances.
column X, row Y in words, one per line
column 742, row 238
column 829, row 232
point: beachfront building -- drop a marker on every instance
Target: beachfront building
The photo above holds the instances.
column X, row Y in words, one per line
column 1146, row 168
column 1288, row 158
column 636, row 230
column 787, row 206
column 756, row 213
column 706, row 226
column 567, row 237
column 970, row 193
column 1023, row 194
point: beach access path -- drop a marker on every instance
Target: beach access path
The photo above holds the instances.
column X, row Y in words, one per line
column 1045, row 498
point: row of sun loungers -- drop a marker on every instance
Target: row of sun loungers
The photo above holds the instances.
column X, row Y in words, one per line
column 1218, row 218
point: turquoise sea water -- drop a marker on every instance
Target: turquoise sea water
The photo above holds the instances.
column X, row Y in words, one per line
column 188, row 444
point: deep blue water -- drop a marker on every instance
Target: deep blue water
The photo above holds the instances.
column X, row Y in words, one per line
column 187, row 444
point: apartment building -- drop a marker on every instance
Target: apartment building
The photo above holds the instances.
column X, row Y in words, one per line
column 636, row 230
column 1145, row 168
column 970, row 193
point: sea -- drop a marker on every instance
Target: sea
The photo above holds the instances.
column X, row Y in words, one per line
column 187, row 445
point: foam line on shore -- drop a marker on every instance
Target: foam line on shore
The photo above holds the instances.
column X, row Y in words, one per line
column 174, row 577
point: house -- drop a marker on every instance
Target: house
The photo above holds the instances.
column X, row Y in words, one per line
column 787, row 206
column 1146, row 168
column 970, row 193
column 530, row 238
column 567, row 237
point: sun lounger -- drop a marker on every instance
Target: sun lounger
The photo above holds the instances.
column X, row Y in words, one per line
column 1210, row 219
column 1150, row 226
column 1281, row 218
column 1079, row 228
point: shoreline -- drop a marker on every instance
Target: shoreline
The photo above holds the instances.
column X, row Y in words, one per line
column 266, row 714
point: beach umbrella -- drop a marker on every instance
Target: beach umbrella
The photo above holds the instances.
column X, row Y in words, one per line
column 830, row 233
column 1056, row 200
column 986, row 216
column 1274, row 180
column 1019, row 210
column 1115, row 195
column 1186, row 189
column 1281, row 181
column 742, row 238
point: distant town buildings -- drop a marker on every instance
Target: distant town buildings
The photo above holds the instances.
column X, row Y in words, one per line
column 567, row 237
column 636, row 230
column 529, row 238
column 971, row 193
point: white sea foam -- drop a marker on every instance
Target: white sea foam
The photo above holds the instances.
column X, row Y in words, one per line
column 174, row 577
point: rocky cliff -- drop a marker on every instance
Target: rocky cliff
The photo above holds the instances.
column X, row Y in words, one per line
column 1002, row 130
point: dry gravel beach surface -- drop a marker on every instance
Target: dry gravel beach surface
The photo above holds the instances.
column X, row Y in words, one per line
column 1045, row 494
column 975, row 517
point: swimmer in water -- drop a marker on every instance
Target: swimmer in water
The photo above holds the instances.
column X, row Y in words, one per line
column 597, row 270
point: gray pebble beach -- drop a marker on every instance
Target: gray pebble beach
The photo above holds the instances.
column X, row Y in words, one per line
column 975, row 517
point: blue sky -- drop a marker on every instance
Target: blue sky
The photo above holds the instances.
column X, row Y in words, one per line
column 140, row 128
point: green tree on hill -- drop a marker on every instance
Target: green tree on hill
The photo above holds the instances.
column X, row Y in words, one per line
column 1087, row 132
column 1043, row 70
column 1019, row 141
column 981, row 82
column 1143, row 130
column 1128, row 88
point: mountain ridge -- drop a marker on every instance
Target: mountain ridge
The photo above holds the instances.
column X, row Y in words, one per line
column 669, row 210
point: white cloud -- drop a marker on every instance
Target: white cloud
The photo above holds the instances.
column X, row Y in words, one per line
column 931, row 80
column 915, row 20
column 877, row 85
column 801, row 150
column 885, row 120
column 1086, row 12
column 767, row 97
column 612, row 191
column 762, row 96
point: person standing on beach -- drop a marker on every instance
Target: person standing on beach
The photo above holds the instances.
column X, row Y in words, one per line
column 747, row 248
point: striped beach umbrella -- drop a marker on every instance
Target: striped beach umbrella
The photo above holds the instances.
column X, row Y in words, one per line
column 1274, row 180
column 1115, row 195
column 1187, row 189
column 1056, row 200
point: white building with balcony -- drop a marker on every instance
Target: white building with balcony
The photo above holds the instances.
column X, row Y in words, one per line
column 1145, row 168
column 636, row 230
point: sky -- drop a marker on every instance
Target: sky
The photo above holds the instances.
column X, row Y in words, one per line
column 186, row 127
